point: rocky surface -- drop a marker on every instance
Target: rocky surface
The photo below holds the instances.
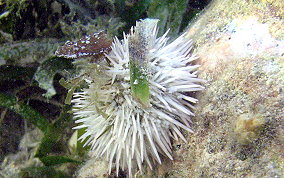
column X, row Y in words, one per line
column 239, row 120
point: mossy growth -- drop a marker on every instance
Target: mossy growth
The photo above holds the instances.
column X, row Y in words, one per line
column 248, row 127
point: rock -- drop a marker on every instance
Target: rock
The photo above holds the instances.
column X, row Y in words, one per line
column 240, row 116
column 93, row 168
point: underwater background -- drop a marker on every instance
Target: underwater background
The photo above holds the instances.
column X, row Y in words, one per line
column 239, row 122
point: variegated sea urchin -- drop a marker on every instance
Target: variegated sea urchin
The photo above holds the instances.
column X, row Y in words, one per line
column 137, row 98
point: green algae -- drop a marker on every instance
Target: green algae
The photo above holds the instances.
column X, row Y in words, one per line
column 170, row 13
column 48, row 69
column 139, row 84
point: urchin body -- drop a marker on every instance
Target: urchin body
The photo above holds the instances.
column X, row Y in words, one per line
column 125, row 126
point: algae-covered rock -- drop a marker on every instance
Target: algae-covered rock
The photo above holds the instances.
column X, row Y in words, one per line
column 239, row 121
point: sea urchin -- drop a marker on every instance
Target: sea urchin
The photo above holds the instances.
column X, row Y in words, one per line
column 137, row 99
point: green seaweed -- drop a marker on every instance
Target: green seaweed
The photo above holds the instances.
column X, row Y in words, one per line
column 54, row 133
column 170, row 13
column 71, row 85
column 55, row 160
column 131, row 13
column 46, row 72
column 43, row 171
column 80, row 148
column 24, row 110
column 13, row 12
